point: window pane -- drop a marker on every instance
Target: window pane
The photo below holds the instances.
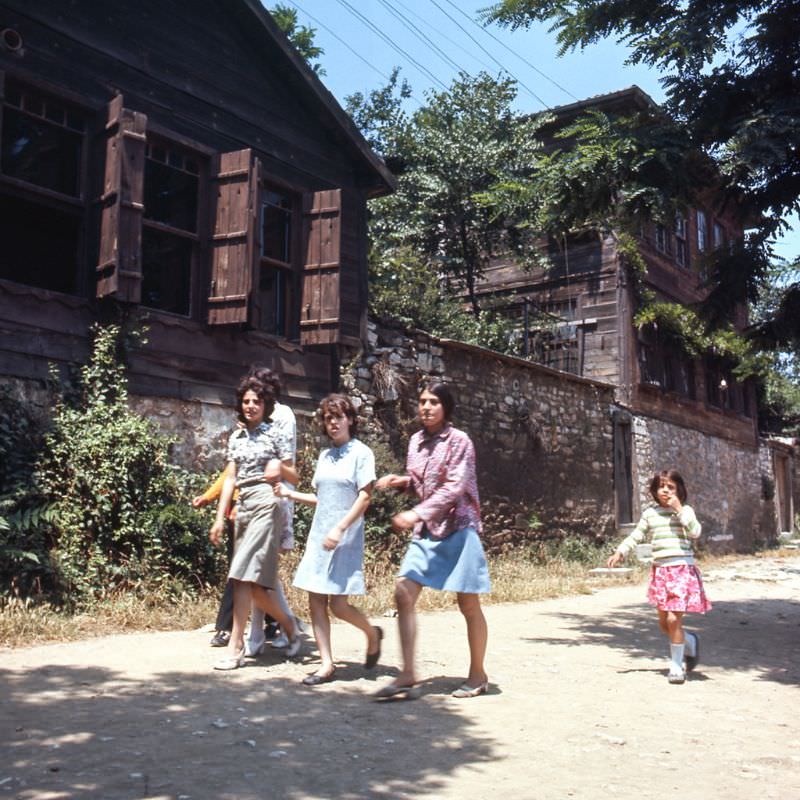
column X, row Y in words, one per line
column 701, row 231
column 170, row 195
column 41, row 153
column 40, row 245
column 166, row 269
column 273, row 300
column 276, row 226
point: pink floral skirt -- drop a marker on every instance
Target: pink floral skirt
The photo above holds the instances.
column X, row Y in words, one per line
column 678, row 587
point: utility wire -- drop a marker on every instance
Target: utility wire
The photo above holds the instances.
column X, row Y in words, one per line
column 457, row 45
column 505, row 69
column 421, row 36
column 511, row 50
column 336, row 36
column 391, row 44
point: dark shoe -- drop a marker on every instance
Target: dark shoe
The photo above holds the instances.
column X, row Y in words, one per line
column 373, row 658
column 394, row 692
column 315, row 680
column 692, row 661
column 220, row 639
column 271, row 630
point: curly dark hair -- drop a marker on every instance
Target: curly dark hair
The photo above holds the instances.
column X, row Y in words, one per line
column 668, row 475
column 264, row 392
column 337, row 404
column 268, row 377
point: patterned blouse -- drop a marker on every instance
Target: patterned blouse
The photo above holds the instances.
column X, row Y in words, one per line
column 252, row 449
column 442, row 471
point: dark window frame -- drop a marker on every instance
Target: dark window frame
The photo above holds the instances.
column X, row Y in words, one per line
column 173, row 146
column 287, row 271
column 76, row 205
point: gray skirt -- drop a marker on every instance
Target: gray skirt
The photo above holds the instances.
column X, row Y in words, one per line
column 257, row 536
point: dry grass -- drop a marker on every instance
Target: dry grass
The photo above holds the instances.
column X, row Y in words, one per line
column 514, row 580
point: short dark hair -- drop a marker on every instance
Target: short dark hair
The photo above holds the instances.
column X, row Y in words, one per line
column 338, row 404
column 268, row 377
column 668, row 475
column 442, row 391
column 264, row 392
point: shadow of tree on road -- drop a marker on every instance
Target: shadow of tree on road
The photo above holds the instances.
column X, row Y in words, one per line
column 762, row 635
column 95, row 733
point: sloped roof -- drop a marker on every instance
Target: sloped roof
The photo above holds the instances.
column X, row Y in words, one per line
column 264, row 24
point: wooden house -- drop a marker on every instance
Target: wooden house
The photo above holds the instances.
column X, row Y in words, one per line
column 588, row 297
column 181, row 161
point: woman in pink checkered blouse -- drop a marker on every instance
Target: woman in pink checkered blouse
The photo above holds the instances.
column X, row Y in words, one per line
column 445, row 552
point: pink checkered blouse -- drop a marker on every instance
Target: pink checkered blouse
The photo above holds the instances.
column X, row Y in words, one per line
column 442, row 471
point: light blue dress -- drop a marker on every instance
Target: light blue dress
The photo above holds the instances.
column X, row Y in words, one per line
column 341, row 472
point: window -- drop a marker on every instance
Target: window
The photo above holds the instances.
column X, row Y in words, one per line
column 665, row 366
column 718, row 235
column 681, row 247
column 662, row 239
column 702, row 231
column 276, row 275
column 169, row 226
column 42, row 206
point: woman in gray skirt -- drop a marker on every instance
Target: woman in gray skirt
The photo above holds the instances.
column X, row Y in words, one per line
column 259, row 456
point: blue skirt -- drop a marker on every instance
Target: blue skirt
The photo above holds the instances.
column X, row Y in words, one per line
column 454, row 564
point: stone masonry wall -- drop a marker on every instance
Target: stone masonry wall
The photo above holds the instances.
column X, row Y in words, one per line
column 543, row 439
column 725, row 481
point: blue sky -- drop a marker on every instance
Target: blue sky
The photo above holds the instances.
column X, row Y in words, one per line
column 530, row 56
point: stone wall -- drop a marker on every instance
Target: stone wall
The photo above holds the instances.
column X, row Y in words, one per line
column 725, row 481
column 543, row 439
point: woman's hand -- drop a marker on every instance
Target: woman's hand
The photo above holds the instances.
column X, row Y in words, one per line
column 405, row 520
column 281, row 491
column 216, row 532
column 333, row 538
column 392, row 482
column 200, row 501
column 615, row 559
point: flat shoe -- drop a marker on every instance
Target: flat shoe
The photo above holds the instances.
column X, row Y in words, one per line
column 230, row 662
column 315, row 680
column 465, row 690
column 373, row 658
column 220, row 639
column 394, row 692
column 692, row 661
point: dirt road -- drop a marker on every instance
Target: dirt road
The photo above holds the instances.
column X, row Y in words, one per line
column 579, row 708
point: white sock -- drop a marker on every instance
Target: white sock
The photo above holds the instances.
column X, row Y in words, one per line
column 691, row 644
column 676, row 656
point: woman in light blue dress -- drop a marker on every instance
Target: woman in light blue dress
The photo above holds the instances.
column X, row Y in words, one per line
column 332, row 566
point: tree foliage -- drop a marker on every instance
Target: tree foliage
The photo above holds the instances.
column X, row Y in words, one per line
column 732, row 78
column 458, row 144
column 301, row 36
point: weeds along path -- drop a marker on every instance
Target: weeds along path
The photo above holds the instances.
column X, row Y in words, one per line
column 579, row 708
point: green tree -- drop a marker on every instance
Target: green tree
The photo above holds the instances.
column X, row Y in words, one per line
column 301, row 36
column 455, row 146
column 732, row 77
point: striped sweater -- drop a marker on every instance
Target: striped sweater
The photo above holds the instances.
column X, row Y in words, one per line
column 670, row 534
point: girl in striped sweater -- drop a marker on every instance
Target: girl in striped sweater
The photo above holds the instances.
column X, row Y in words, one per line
column 675, row 582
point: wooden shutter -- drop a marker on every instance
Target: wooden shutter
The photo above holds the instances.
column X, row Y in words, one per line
column 332, row 302
column 119, row 268
column 234, row 251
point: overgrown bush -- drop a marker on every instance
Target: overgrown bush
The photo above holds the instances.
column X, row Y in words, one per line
column 25, row 514
column 117, row 511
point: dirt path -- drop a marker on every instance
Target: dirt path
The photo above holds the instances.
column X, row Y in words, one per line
column 579, row 708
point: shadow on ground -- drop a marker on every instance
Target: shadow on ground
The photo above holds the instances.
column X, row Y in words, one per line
column 761, row 635
column 94, row 733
